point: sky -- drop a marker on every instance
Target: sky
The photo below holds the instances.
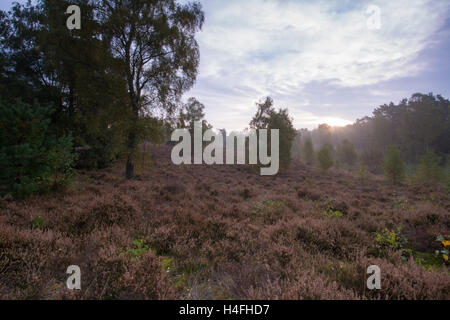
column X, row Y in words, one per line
column 326, row 61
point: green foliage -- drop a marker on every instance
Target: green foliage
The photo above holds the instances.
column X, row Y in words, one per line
column 444, row 253
column 346, row 153
column 429, row 171
column 308, row 151
column 362, row 171
column 140, row 247
column 325, row 157
column 32, row 158
column 38, row 221
column 333, row 213
column 268, row 118
column 391, row 239
column 267, row 206
column 393, row 165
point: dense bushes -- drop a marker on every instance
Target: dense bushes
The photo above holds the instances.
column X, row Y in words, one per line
column 32, row 158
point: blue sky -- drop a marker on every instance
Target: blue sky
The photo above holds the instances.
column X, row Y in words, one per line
column 318, row 58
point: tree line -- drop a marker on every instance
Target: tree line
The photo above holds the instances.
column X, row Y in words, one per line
column 100, row 90
column 412, row 133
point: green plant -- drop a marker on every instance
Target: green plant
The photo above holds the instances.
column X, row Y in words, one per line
column 267, row 206
column 333, row 213
column 391, row 239
column 167, row 264
column 325, row 157
column 37, row 221
column 429, row 170
column 308, row 151
column 444, row 253
column 330, row 211
column 393, row 165
column 140, row 247
column 32, row 158
column 362, row 171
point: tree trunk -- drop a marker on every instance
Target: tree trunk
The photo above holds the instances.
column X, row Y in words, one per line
column 129, row 170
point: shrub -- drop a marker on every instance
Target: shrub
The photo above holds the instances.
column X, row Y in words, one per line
column 31, row 157
column 392, row 239
column 428, row 170
column 393, row 165
column 325, row 157
column 373, row 159
column 308, row 151
column 346, row 153
column 362, row 171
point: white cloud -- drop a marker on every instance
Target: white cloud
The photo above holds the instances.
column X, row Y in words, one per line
column 254, row 48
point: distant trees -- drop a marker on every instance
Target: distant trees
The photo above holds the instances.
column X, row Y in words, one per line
column 308, row 151
column 346, row 153
column 325, row 157
column 415, row 125
column 393, row 165
column 267, row 117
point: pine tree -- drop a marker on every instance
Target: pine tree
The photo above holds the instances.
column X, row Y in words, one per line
column 308, row 151
column 32, row 158
column 393, row 165
column 429, row 170
column 325, row 157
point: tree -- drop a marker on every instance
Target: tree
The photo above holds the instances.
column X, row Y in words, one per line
column 267, row 117
column 346, row 153
column 325, row 157
column 393, row 165
column 308, row 151
column 32, row 157
column 193, row 111
column 155, row 41
column 74, row 71
column 429, row 170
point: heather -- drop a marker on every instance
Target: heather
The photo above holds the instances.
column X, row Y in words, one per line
column 225, row 232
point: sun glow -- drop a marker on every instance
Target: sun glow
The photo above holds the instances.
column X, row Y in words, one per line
column 336, row 122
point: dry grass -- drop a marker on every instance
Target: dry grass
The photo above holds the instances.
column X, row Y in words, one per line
column 220, row 232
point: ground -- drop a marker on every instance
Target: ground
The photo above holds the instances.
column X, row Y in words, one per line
column 225, row 232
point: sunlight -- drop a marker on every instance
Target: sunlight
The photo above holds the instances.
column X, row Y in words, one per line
column 336, row 122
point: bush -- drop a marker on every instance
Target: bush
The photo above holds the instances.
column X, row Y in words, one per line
column 373, row 160
column 429, row 170
column 325, row 157
column 393, row 165
column 32, row 159
column 346, row 153
column 308, row 151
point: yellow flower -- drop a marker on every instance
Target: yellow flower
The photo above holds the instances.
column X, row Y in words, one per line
column 446, row 243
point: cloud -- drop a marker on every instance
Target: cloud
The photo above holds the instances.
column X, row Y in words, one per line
column 254, row 48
